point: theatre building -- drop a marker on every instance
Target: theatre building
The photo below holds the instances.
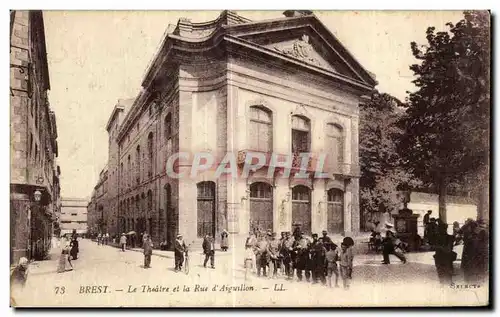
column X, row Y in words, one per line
column 236, row 86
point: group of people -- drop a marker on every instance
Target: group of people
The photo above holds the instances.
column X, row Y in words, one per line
column 319, row 259
column 68, row 253
column 103, row 238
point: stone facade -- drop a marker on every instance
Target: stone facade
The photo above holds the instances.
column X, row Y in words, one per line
column 73, row 215
column 33, row 146
column 235, row 86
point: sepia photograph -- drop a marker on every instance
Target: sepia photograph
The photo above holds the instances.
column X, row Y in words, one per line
column 244, row 159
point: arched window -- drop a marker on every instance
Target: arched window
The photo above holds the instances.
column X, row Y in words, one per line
column 168, row 196
column 121, row 176
column 150, row 200
column 168, row 126
column 301, row 130
column 150, row 154
column 138, row 164
column 335, row 143
column 261, row 129
column 261, row 190
column 129, row 171
column 301, row 193
column 137, row 206
column 335, row 210
column 143, row 202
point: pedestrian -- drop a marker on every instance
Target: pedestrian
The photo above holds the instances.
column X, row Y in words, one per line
column 18, row 278
column 325, row 239
column 250, row 250
column 317, row 254
column 331, row 258
column 147, row 245
column 261, row 255
column 224, row 241
column 19, row 275
column 345, row 262
column 74, row 248
column 273, row 249
column 456, row 233
column 99, row 239
column 301, row 248
column 209, row 251
column 179, row 249
column 123, row 241
column 106, row 239
column 286, row 253
column 63, row 258
column 389, row 248
column 444, row 256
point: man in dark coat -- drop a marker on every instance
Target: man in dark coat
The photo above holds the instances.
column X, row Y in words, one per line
column 147, row 245
column 389, row 248
column 318, row 252
column 325, row 239
column 209, row 251
column 179, row 249
column 261, row 255
column 444, row 256
column 286, row 254
column 301, row 248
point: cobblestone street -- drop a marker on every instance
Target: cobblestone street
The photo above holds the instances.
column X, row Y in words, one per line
column 414, row 283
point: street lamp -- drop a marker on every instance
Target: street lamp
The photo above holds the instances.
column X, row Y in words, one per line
column 37, row 195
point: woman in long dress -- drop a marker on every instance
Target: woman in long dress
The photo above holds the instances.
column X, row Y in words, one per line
column 74, row 249
column 63, row 258
column 224, row 242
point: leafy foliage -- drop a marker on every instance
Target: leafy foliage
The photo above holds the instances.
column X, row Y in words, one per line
column 446, row 123
column 381, row 172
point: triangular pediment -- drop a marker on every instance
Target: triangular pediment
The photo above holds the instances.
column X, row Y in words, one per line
column 306, row 40
column 301, row 49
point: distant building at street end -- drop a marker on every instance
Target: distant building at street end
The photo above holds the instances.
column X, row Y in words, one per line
column 73, row 215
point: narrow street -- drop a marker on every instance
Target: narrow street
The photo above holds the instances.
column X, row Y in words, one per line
column 124, row 282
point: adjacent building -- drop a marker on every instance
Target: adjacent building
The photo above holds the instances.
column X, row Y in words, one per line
column 284, row 86
column 73, row 217
column 34, row 174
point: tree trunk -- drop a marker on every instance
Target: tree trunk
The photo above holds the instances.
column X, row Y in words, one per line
column 443, row 186
column 483, row 206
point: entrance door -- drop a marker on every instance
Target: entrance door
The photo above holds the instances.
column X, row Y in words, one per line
column 206, row 209
column 301, row 208
column 261, row 207
column 335, row 211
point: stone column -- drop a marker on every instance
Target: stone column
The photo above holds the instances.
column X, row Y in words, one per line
column 348, row 208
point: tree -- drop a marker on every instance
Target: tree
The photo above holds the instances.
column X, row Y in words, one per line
column 381, row 172
column 447, row 118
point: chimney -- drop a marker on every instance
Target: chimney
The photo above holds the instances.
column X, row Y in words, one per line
column 297, row 13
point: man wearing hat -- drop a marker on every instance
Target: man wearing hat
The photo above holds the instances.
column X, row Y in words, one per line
column 179, row 249
column 261, row 255
column 123, row 241
column 325, row 239
column 301, row 248
column 317, row 261
column 273, row 248
column 286, row 250
column 389, row 248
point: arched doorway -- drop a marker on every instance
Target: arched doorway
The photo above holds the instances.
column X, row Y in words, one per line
column 206, row 209
column 261, row 206
column 335, row 210
column 301, row 208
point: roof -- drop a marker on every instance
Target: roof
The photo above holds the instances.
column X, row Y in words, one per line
column 122, row 105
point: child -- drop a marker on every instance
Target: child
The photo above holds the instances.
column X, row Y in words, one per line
column 345, row 264
column 331, row 263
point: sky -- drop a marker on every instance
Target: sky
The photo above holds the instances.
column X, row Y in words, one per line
column 98, row 57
